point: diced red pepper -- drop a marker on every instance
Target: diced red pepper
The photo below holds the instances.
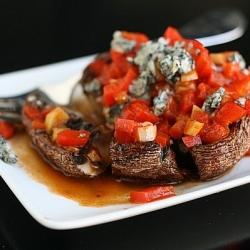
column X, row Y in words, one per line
column 140, row 112
column 128, row 113
column 124, row 130
column 112, row 89
column 163, row 126
column 151, row 194
column 177, row 129
column 202, row 93
column 172, row 35
column 191, row 141
column 203, row 66
column 188, row 99
column 162, row 138
column 141, row 102
column 229, row 113
column 105, row 76
column 144, row 114
column 70, row 137
column 203, row 62
column 35, row 113
column 232, row 71
column 7, row 129
column 201, row 116
column 32, row 112
column 119, row 66
column 214, row 132
column 38, row 123
column 171, row 111
column 97, row 66
column 109, row 93
column 217, row 79
column 242, row 87
column 230, row 94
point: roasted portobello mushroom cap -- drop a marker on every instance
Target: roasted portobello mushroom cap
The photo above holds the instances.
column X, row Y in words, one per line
column 186, row 86
column 145, row 162
column 78, row 161
column 213, row 160
column 139, row 162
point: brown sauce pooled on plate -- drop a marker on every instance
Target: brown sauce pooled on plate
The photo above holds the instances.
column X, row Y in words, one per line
column 102, row 191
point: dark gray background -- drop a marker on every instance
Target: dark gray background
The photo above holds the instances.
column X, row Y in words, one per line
column 40, row 32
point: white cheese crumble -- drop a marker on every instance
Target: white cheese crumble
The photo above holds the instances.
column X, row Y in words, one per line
column 5, row 152
column 160, row 101
column 213, row 101
column 120, row 44
column 177, row 62
column 241, row 101
column 138, row 87
column 171, row 61
column 236, row 57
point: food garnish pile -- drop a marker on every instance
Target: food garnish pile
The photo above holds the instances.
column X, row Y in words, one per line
column 176, row 112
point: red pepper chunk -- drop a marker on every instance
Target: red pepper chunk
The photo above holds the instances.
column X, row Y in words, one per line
column 151, row 194
column 124, row 130
column 203, row 62
column 70, row 137
column 177, row 129
column 214, row 132
column 171, row 111
column 233, row 71
column 242, row 87
column 97, row 66
column 191, row 141
column 38, row 123
column 188, row 99
column 112, row 89
column 173, row 35
column 7, row 129
column 35, row 113
column 229, row 113
column 119, row 65
column 162, row 138
column 139, row 111
column 32, row 112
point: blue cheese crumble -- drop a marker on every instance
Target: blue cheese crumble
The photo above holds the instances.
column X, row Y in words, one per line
column 160, row 101
column 177, row 62
column 5, row 152
column 241, row 101
column 213, row 101
column 157, row 56
column 139, row 87
column 236, row 57
column 121, row 44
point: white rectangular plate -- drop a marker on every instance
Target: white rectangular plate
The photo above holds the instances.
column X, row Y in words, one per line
column 57, row 212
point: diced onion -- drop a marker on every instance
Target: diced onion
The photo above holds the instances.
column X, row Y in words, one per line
column 146, row 132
